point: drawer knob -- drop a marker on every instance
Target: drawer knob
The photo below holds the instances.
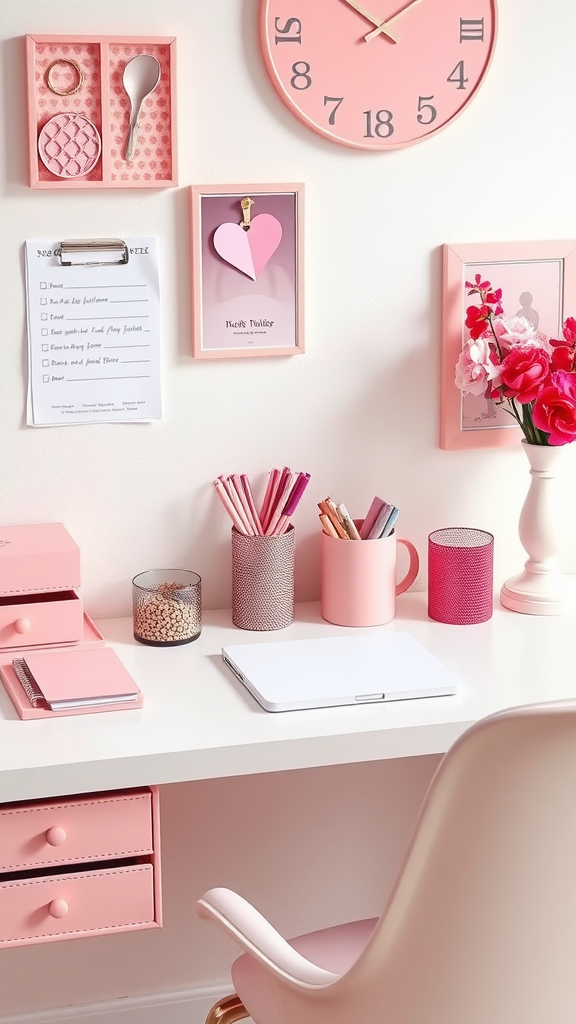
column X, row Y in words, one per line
column 55, row 836
column 22, row 625
column 58, row 908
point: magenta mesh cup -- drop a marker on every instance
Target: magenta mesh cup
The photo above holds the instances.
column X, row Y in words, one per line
column 460, row 575
column 263, row 580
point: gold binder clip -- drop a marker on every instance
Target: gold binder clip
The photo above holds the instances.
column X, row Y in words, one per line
column 246, row 204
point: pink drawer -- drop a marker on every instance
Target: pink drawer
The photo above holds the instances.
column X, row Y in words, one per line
column 41, row 619
column 75, row 830
column 76, row 904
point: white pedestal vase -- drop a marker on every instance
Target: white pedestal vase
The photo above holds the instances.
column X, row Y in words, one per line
column 541, row 589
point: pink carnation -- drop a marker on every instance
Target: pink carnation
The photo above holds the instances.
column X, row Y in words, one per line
column 518, row 331
column 555, row 408
column 475, row 367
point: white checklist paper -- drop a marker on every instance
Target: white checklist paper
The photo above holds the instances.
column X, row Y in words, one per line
column 93, row 337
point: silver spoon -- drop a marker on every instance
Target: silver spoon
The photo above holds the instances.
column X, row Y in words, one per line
column 140, row 78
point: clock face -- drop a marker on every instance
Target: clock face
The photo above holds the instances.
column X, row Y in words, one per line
column 420, row 65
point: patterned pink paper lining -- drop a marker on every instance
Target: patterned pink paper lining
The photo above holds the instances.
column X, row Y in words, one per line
column 152, row 160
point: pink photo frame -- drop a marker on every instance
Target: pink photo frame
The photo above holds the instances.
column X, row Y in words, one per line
column 247, row 268
column 538, row 280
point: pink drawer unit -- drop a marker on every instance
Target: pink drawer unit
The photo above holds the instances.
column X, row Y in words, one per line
column 79, row 866
column 71, row 905
column 38, row 558
column 36, row 619
column 76, row 830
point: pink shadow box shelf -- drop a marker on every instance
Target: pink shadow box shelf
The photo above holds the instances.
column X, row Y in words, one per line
column 92, row 123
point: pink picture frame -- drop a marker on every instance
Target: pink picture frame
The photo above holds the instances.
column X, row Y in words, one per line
column 98, row 95
column 538, row 280
column 247, row 295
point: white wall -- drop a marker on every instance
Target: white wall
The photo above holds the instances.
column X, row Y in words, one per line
column 359, row 411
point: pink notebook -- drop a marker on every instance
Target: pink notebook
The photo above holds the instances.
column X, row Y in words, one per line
column 74, row 681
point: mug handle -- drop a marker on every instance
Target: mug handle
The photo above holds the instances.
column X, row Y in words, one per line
column 413, row 568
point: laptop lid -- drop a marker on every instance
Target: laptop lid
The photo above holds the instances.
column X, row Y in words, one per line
column 291, row 675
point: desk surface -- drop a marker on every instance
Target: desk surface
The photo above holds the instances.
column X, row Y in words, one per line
column 199, row 722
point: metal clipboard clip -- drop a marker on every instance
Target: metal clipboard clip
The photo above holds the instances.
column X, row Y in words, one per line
column 115, row 248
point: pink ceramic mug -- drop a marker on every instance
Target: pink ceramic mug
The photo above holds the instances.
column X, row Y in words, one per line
column 358, row 579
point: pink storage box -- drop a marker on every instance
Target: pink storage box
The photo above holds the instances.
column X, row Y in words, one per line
column 37, row 558
column 102, row 100
column 108, row 848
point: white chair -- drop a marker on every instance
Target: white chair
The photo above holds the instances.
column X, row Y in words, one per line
column 480, row 927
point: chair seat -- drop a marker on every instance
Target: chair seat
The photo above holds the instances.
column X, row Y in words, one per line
column 335, row 949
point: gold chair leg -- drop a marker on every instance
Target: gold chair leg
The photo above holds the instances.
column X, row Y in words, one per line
column 227, row 1010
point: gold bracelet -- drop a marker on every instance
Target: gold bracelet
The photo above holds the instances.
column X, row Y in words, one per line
column 78, row 70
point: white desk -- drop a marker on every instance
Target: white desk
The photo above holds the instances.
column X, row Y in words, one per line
column 198, row 722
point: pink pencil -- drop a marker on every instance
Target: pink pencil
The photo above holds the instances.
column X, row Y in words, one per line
column 292, row 501
column 279, row 505
column 251, row 503
column 223, row 495
column 235, row 500
column 237, row 485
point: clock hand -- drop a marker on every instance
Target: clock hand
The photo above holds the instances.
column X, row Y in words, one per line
column 382, row 27
column 385, row 24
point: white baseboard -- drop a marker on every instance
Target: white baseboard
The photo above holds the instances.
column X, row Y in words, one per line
column 188, row 1007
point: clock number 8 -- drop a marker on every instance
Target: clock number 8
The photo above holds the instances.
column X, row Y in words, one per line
column 301, row 69
column 381, row 122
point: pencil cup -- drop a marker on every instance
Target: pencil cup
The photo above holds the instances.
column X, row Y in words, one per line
column 262, row 580
column 358, row 579
column 167, row 607
column 460, row 575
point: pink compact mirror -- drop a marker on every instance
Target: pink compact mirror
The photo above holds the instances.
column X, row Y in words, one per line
column 69, row 145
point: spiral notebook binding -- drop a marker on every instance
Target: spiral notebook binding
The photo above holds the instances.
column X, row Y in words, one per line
column 29, row 684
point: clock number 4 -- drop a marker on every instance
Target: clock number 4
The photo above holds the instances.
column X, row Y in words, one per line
column 293, row 25
column 457, row 75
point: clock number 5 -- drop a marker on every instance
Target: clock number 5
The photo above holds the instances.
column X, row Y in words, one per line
column 292, row 25
column 426, row 106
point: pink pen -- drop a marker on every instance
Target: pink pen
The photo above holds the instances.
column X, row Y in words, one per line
column 279, row 505
column 293, row 499
column 274, row 496
column 223, row 495
column 235, row 500
column 238, row 487
column 273, row 478
column 245, row 482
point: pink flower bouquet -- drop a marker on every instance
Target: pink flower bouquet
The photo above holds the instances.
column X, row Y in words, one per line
column 532, row 376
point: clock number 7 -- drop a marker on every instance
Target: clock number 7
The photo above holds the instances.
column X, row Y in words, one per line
column 333, row 99
column 292, row 25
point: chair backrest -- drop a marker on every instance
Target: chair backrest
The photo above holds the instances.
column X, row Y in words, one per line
column 481, row 925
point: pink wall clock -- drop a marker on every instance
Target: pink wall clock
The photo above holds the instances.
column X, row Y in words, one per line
column 380, row 76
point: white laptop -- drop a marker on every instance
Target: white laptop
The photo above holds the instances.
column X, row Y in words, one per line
column 290, row 675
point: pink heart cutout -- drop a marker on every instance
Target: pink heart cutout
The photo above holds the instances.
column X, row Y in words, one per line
column 249, row 251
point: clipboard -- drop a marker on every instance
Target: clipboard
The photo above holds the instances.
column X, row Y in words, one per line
column 116, row 248
column 93, row 311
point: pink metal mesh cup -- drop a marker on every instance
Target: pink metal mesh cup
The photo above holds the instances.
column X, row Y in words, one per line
column 263, row 580
column 460, row 575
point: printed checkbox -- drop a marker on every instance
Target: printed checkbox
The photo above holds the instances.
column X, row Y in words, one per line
column 45, row 379
column 44, row 348
column 44, row 332
column 43, row 316
column 43, row 284
column 43, row 301
column 45, row 362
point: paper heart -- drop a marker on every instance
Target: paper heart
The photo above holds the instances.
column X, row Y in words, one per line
column 249, row 251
